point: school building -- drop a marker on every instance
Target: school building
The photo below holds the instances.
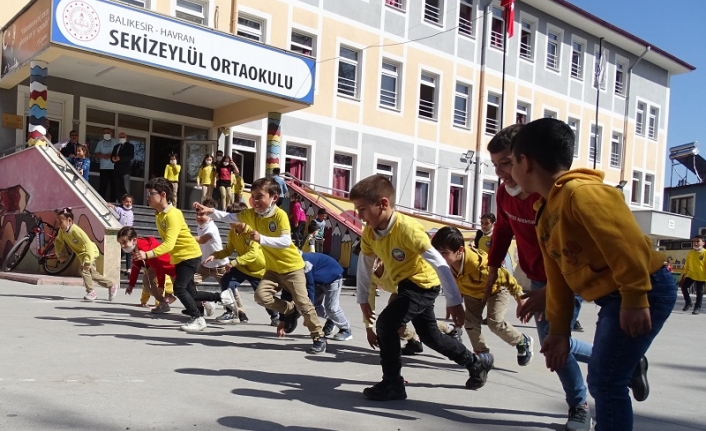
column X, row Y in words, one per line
column 411, row 89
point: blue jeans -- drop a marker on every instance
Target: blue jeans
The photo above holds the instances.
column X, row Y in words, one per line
column 570, row 375
column 327, row 304
column 616, row 354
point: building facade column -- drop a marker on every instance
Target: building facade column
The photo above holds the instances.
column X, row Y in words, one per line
column 38, row 124
column 274, row 148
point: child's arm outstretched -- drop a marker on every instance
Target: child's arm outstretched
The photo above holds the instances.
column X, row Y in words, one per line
column 217, row 215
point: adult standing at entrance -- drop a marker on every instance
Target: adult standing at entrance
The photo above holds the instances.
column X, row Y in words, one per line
column 69, row 149
column 122, row 156
column 282, row 186
column 103, row 152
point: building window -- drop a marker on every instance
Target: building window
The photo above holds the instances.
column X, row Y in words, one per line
column 640, row 119
column 497, row 27
column 296, row 161
column 648, row 189
column 465, row 17
column 636, row 187
column 244, row 156
column 389, row 85
column 619, row 79
column 548, row 113
column 576, row 60
column 387, row 169
column 576, row 127
column 457, row 196
column 492, row 114
column 487, row 203
column 191, row 10
column 552, row 51
column 348, row 72
column 526, row 40
column 302, row 43
column 342, row 174
column 139, row 3
column 427, row 96
column 396, row 4
column 594, row 152
column 616, row 149
column 652, row 125
column 422, row 190
column 461, row 105
column 251, row 28
column 522, row 115
column 683, row 205
column 434, row 11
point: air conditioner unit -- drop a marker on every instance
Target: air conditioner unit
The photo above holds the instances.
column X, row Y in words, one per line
column 702, row 231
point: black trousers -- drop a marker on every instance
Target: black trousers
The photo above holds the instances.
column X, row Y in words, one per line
column 184, row 287
column 699, row 286
column 122, row 184
column 107, row 181
column 416, row 305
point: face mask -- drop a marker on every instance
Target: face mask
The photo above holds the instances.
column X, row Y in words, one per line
column 269, row 211
column 172, row 162
column 208, row 162
column 218, row 158
column 127, row 207
column 487, row 232
column 122, row 140
column 513, row 191
column 699, row 248
column 129, row 248
column 106, row 136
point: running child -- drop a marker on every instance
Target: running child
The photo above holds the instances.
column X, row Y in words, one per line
column 171, row 173
column 592, row 246
column 125, row 218
column 206, row 177
column 694, row 274
column 416, row 268
column 325, row 275
column 86, row 251
column 209, row 239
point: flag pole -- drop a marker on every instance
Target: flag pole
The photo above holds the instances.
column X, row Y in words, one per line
column 597, row 79
column 502, row 93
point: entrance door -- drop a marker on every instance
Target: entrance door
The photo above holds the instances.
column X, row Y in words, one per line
column 193, row 153
column 137, row 170
column 160, row 150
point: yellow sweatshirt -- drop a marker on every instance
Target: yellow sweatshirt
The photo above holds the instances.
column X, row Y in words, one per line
column 177, row 239
column 474, row 272
column 171, row 172
column 76, row 239
column 238, row 185
column 592, row 246
column 695, row 266
column 250, row 259
column 206, row 176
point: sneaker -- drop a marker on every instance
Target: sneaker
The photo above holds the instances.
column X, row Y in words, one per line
column 524, row 351
column 290, row 321
column 453, row 331
column 226, row 317
column 478, row 369
column 696, row 311
column 112, row 292
column 387, row 390
column 579, row 419
column 209, row 309
column 242, row 317
column 639, row 384
column 274, row 321
column 412, row 348
column 161, row 308
column 343, row 335
column 319, row 346
column 90, row 296
column 227, row 298
column 578, row 327
column 686, row 307
column 328, row 328
column 197, row 324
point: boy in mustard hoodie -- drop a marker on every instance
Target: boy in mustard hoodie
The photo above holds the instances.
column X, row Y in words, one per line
column 694, row 274
column 593, row 247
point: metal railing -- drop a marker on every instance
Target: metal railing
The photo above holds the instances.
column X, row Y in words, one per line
column 347, row 86
column 395, row 4
column 651, row 132
column 492, row 125
column 438, row 217
column 639, row 128
column 432, row 13
column 309, row 186
column 496, row 39
column 465, row 26
column 461, row 117
column 388, row 98
column 619, row 88
column 576, row 69
column 526, row 51
column 614, row 159
column 426, row 108
column 552, row 61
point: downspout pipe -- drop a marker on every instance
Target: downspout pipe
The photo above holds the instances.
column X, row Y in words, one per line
column 233, row 15
column 627, row 111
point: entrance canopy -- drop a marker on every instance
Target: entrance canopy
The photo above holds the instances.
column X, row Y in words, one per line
column 117, row 46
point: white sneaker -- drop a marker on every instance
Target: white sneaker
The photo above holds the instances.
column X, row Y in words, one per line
column 112, row 292
column 227, row 298
column 90, row 296
column 195, row 325
column 209, row 308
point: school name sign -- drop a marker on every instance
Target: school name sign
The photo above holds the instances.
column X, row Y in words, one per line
column 143, row 37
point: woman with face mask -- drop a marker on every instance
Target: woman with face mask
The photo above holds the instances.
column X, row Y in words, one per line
column 103, row 153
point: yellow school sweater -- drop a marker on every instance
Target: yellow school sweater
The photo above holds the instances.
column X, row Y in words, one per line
column 76, row 239
column 695, row 266
column 474, row 273
column 592, row 247
column 250, row 259
column 279, row 260
column 237, row 184
column 171, row 172
column 206, row 175
column 176, row 237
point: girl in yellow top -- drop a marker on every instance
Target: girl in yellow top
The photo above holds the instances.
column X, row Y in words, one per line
column 184, row 252
column 86, row 251
column 285, row 266
column 694, row 274
column 309, row 242
column 171, row 173
column 206, row 178
column 237, row 187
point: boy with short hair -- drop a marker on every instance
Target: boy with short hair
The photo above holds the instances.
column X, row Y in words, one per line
column 470, row 268
column 325, row 275
column 694, row 274
column 309, row 243
column 592, row 246
column 284, row 264
column 418, row 270
column 320, row 221
column 485, row 233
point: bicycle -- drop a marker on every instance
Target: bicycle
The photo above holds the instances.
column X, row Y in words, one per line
column 46, row 254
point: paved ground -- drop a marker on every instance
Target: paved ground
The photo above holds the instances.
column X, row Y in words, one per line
column 70, row 365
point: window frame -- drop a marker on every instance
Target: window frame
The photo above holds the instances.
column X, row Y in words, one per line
column 621, row 66
column 467, row 96
column 577, row 134
column 521, row 106
column 496, row 37
column 653, row 129
column 358, row 66
column 465, row 26
column 398, row 5
column 636, row 199
column 397, row 76
column 308, row 160
column 248, row 32
column 146, row 4
column 298, row 45
column 648, row 189
column 577, row 71
column 463, row 207
column 640, row 110
column 558, row 45
column 496, row 120
column 528, row 47
column 687, row 197
column 394, row 162
column 430, row 189
column 550, row 113
column 351, row 168
column 595, row 143
column 428, row 14
column 616, row 159
column 435, row 85
column 185, row 11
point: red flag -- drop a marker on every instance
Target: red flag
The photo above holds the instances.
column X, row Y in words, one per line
column 509, row 16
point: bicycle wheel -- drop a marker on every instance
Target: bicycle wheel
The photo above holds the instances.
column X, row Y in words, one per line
column 16, row 253
column 51, row 264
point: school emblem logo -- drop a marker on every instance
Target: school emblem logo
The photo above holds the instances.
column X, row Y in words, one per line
column 74, row 240
column 701, row 257
column 163, row 224
column 398, row 254
column 81, row 21
column 247, row 242
column 272, row 226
